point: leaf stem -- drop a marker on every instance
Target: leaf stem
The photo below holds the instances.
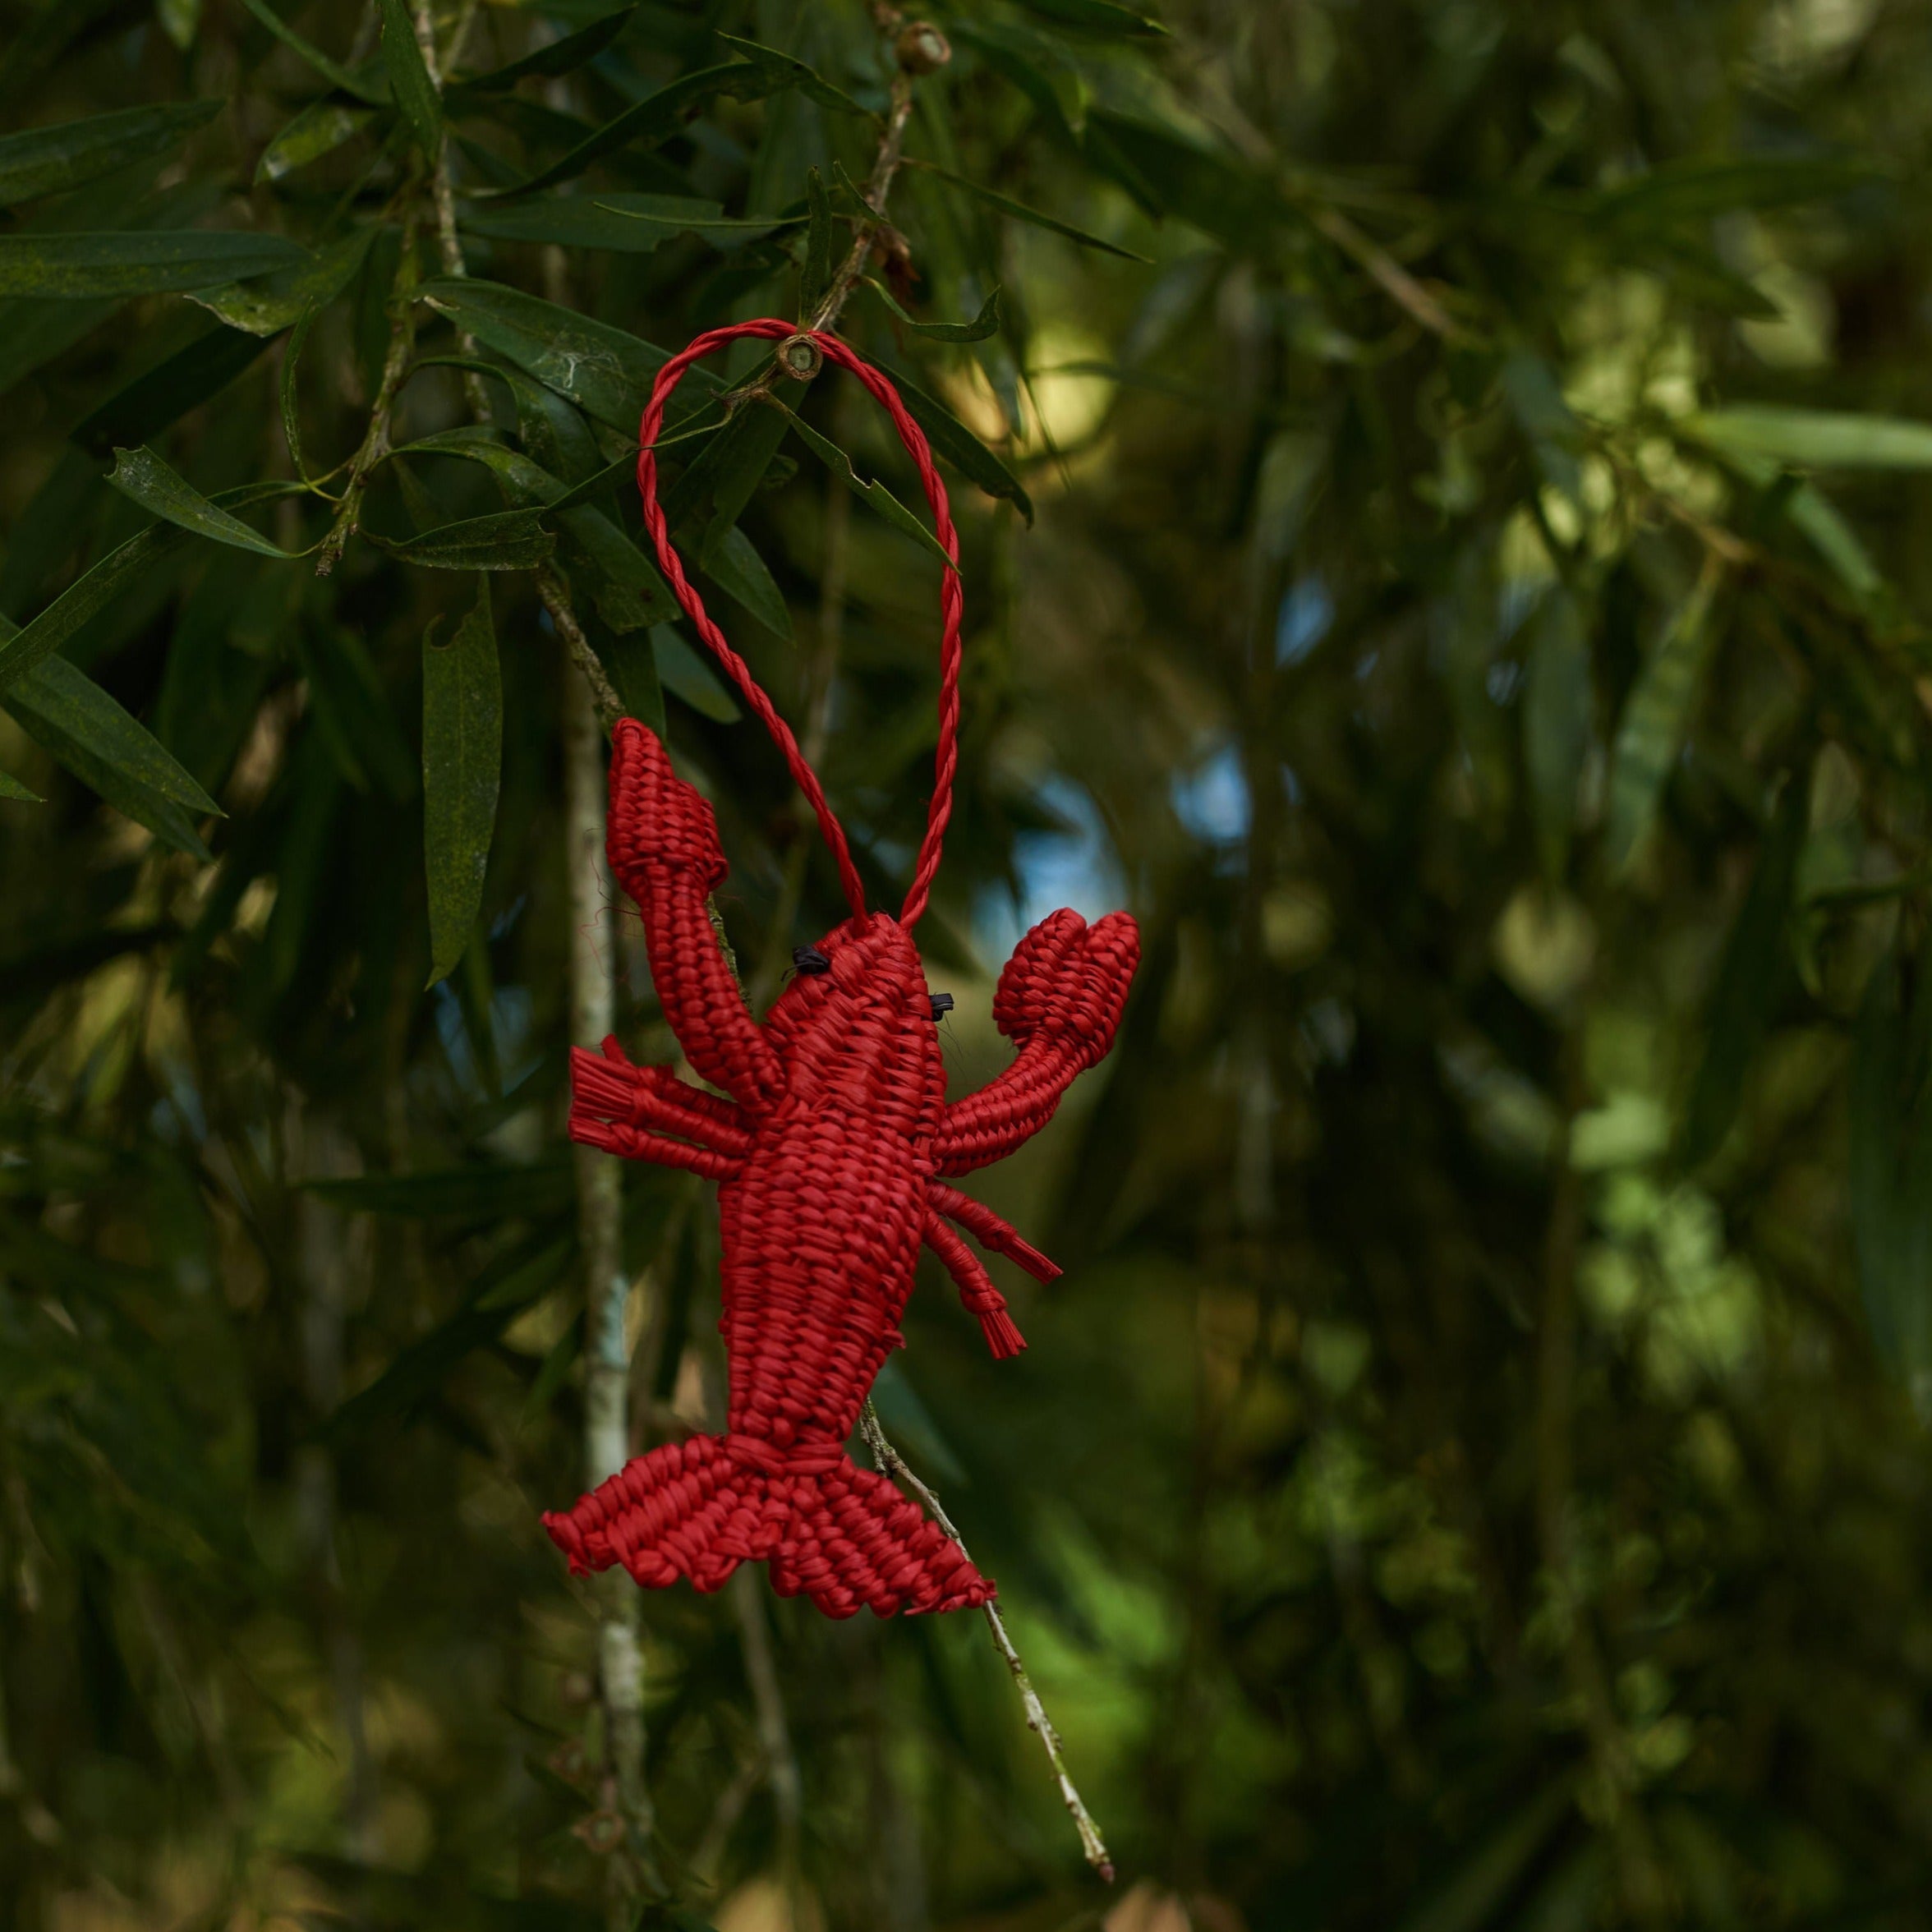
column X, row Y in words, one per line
column 1092, row 1846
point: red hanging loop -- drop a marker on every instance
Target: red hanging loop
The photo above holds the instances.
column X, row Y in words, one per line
column 951, row 602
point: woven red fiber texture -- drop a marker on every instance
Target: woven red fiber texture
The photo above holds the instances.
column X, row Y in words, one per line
column 827, row 1138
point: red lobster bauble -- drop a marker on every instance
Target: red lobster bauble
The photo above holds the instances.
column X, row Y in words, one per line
column 828, row 1154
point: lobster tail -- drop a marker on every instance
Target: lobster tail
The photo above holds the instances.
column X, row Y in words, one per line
column 826, row 1528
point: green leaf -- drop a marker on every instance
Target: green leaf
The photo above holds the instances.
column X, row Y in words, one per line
column 141, row 474
column 1696, row 190
column 277, row 301
column 1656, row 719
column 682, row 670
column 488, row 1191
column 409, row 79
column 631, row 665
column 523, row 1277
column 815, row 276
column 1558, row 708
column 33, row 643
column 874, row 494
column 1096, row 17
column 505, row 540
column 69, row 715
column 785, row 71
column 1554, row 434
column 1019, row 211
column 656, row 118
column 605, row 372
column 1890, row 1115
column 634, row 224
column 47, row 160
column 556, row 59
column 169, row 391
column 986, row 323
column 951, row 439
column 739, row 459
column 86, row 268
column 462, row 768
column 351, row 83
column 1756, row 967
column 12, row 788
column 319, row 129
column 736, row 568
column 1810, row 439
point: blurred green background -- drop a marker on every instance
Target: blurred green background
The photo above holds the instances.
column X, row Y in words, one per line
column 1446, row 541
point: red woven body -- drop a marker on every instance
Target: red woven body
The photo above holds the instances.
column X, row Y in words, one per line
column 827, row 1153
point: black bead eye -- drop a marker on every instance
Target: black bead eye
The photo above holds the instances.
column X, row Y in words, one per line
column 810, row 959
column 940, row 1003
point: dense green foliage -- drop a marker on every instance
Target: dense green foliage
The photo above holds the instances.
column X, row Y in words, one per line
column 1440, row 491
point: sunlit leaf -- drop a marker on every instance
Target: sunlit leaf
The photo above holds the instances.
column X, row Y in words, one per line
column 1655, row 721
column 319, row 129
column 1554, row 434
column 1812, row 438
column 47, row 160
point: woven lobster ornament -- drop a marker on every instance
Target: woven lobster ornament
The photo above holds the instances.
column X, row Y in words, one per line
column 830, row 1138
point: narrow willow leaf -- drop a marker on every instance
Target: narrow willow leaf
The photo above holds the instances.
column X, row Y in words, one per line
column 1554, row 434
column 787, row 72
column 874, row 494
column 93, row 591
column 1096, row 17
column 47, row 160
column 461, row 769
column 1756, row 967
column 681, row 670
column 604, row 370
column 986, row 323
column 736, row 568
column 1889, row 1118
column 632, row 667
column 1019, row 211
column 319, row 129
column 1812, row 438
column 951, row 439
column 1031, row 62
column 58, row 690
column 12, row 788
column 89, row 268
column 1558, row 709
column 551, row 63
column 815, row 278
column 488, row 1191
column 1478, row 1888
column 409, row 79
column 743, row 455
column 505, row 540
column 627, row 223
column 22, row 650
column 69, row 719
column 184, row 380
column 362, row 88
column 656, row 118
column 1656, row 719
column 141, row 474
column 1695, row 190
column 278, row 302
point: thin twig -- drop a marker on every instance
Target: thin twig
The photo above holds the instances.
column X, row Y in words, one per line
column 1092, row 1846
column 449, row 244
column 375, row 438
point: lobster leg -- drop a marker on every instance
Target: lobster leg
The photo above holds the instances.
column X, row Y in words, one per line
column 636, row 1143
column 611, row 1088
column 977, row 1291
column 990, row 1231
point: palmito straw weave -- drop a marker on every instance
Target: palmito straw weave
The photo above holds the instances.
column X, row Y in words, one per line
column 829, row 1152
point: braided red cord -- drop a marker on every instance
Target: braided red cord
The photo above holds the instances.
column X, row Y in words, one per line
column 951, row 603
